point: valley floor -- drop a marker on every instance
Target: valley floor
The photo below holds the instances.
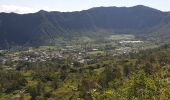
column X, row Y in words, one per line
column 125, row 69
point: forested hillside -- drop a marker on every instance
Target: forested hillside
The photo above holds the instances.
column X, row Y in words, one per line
column 44, row 28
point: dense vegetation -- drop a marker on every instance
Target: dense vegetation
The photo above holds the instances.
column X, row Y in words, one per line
column 135, row 76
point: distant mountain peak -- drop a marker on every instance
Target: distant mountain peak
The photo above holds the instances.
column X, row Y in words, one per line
column 144, row 8
column 141, row 6
column 42, row 11
column 133, row 7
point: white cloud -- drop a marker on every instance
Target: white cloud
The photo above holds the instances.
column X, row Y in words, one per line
column 17, row 9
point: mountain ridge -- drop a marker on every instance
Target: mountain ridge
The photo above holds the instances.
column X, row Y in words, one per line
column 38, row 28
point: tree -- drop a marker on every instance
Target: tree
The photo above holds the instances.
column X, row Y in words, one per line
column 140, row 87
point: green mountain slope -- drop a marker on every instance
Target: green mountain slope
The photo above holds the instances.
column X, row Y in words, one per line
column 44, row 27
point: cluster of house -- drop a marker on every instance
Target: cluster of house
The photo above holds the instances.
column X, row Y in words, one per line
column 68, row 52
column 37, row 56
column 44, row 55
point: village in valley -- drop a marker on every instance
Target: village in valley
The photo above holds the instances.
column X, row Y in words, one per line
column 81, row 53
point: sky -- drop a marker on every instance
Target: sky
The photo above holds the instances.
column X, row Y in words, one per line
column 31, row 6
